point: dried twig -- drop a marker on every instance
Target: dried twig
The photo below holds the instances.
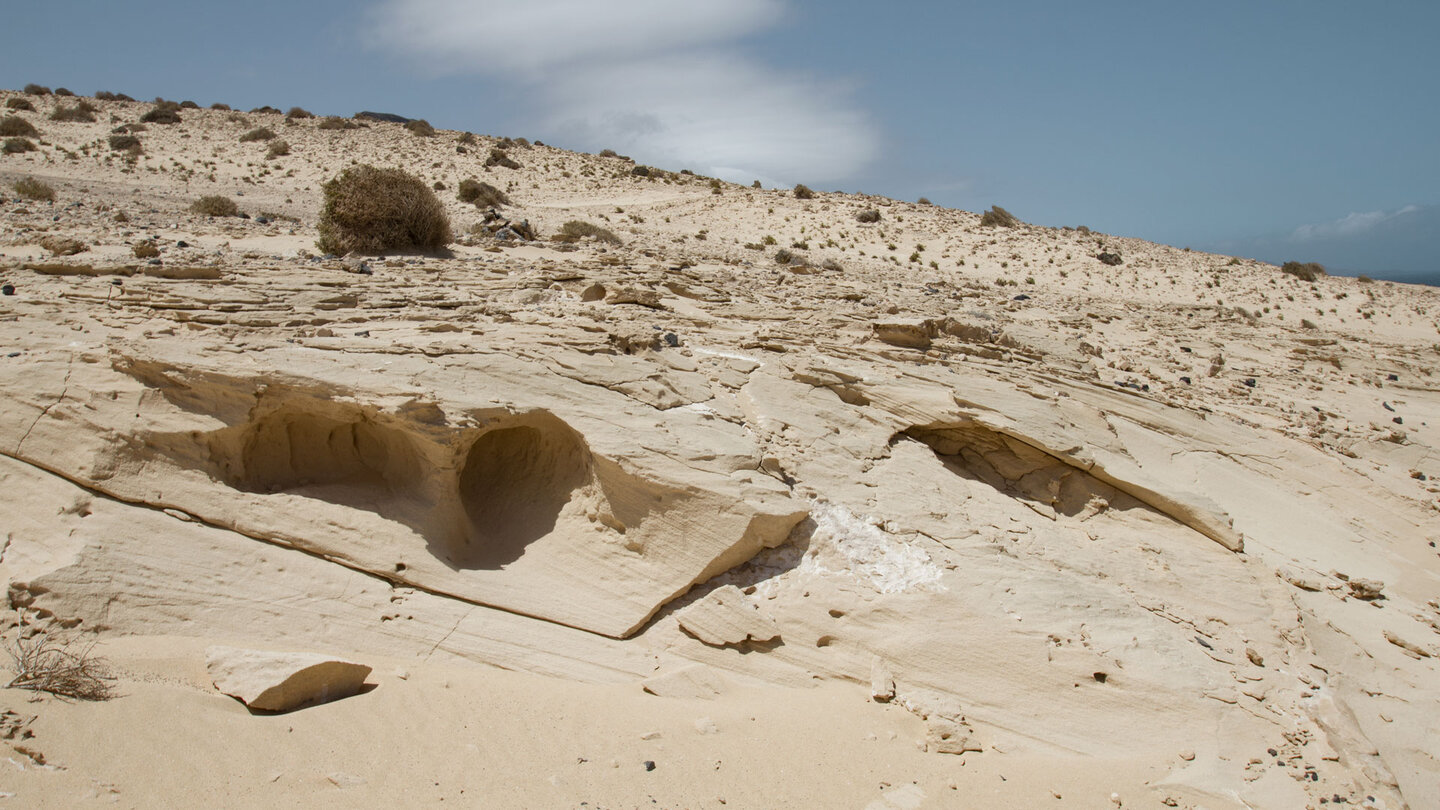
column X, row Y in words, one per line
column 57, row 663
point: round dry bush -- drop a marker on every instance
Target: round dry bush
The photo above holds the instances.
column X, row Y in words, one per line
column 161, row 115
column 18, row 103
column 258, row 134
column 372, row 210
column 868, row 215
column 421, row 127
column 482, row 194
column 13, row 126
column 279, row 149
column 122, row 142
column 14, row 146
column 214, row 205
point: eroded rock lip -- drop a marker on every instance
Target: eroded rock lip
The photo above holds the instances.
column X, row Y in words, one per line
column 282, row 682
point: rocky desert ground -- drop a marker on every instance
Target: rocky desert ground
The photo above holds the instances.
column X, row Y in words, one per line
column 749, row 498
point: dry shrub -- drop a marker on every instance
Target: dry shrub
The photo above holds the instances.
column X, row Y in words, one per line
column 371, row 210
column 803, row 192
column 299, row 112
column 499, row 158
column 145, row 250
column 189, row 105
column 999, row 217
column 421, row 127
column 482, row 194
column 13, row 126
column 36, row 90
column 336, row 122
column 214, row 205
column 106, row 95
column 57, row 663
column 467, row 139
column 220, row 106
column 1305, row 271
column 83, row 112
column 258, row 134
column 15, row 146
column 267, row 109
column 162, row 114
column 32, row 189
column 868, row 215
column 61, row 91
column 278, row 149
column 924, row 201
column 19, row 103
column 575, row 230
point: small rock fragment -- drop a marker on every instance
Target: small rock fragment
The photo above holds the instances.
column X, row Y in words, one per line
column 1362, row 588
column 727, row 616
column 281, row 682
column 882, row 683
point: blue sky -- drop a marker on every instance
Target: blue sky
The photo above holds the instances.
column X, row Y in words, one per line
column 1280, row 130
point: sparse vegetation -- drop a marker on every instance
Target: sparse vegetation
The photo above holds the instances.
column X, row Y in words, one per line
column 803, row 192
column 299, row 112
column 421, row 127
column 924, row 201
column 62, row 91
column 219, row 106
column 998, row 217
column 19, row 103
column 480, row 193
column 1305, row 271
column 258, row 134
column 267, row 109
column 15, row 146
column 334, row 122
column 13, row 126
column 145, row 250
column 32, row 189
column 106, row 95
column 162, row 114
column 575, row 230
column 278, row 149
column 122, row 143
column 57, row 663
column 215, row 205
column 82, row 111
column 868, row 215
column 370, row 210
column 467, row 139
column 36, row 90
column 499, row 158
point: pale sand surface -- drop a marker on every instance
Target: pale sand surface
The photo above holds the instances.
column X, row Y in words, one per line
column 1105, row 539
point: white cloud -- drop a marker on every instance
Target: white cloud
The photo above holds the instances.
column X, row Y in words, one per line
column 1350, row 225
column 660, row 80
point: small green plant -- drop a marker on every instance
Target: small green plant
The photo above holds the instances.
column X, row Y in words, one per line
column 214, row 205
column 575, row 230
column 258, row 134
column 371, row 210
column 803, row 192
column 998, row 217
column 32, row 189
column 480, row 193
column 13, row 126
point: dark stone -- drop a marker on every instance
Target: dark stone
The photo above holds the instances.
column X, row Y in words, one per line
column 1249, row 382
column 672, row 340
column 1111, row 259
column 8, row 289
column 155, row 262
column 182, row 243
column 263, row 220
column 379, row 116
column 1021, row 297
column 649, row 764
column 1393, row 377
column 1185, row 380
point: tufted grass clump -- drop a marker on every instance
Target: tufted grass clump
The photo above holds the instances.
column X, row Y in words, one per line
column 32, row 189
column 57, row 663
column 869, row 215
column 36, row 90
column 19, row 103
column 421, row 127
column 258, row 134
column 998, row 217
column 162, row 114
column 372, row 210
column 83, row 111
column 803, row 192
column 15, row 146
column 13, row 126
column 215, row 205
column 575, row 230
column 278, row 149
column 1305, row 271
column 124, row 143
column 480, row 193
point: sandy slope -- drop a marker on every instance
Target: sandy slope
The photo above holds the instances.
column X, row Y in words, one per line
column 1099, row 524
